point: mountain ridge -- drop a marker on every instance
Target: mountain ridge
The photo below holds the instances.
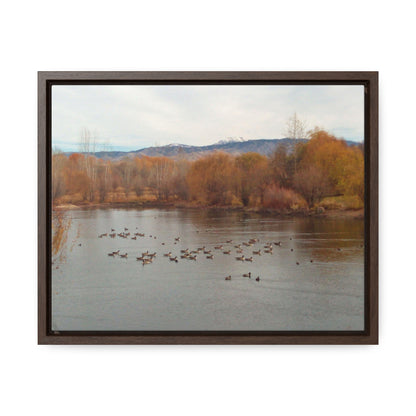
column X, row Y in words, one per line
column 176, row 150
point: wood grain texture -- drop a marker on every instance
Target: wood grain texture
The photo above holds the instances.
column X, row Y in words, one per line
column 43, row 226
column 368, row 79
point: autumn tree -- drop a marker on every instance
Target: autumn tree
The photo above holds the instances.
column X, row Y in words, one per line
column 59, row 162
column 161, row 176
column 311, row 183
column 180, row 184
column 76, row 179
column 342, row 165
column 104, row 174
column 212, row 179
column 254, row 176
column 126, row 168
column 279, row 165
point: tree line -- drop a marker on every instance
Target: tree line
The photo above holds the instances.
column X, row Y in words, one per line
column 287, row 179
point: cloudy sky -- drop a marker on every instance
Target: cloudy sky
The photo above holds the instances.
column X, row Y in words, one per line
column 131, row 117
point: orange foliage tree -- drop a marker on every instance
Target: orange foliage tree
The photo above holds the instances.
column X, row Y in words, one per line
column 212, row 179
column 340, row 164
column 254, row 174
column 323, row 166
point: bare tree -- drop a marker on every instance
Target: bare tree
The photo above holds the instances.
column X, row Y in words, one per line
column 296, row 129
column 87, row 147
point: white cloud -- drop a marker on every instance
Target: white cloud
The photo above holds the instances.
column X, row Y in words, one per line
column 136, row 116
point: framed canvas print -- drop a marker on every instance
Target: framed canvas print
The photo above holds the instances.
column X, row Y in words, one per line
column 208, row 208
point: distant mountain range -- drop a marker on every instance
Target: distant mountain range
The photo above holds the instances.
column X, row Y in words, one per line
column 235, row 147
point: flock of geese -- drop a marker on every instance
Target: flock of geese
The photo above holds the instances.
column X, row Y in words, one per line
column 192, row 254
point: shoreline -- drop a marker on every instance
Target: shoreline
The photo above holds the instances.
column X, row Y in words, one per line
column 316, row 212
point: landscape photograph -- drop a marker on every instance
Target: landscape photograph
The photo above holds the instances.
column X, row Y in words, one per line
column 207, row 207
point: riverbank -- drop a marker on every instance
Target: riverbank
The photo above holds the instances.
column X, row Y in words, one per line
column 315, row 212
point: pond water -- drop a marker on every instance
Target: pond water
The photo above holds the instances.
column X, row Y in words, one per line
column 94, row 291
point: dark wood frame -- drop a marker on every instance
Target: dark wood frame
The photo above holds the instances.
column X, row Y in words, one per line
column 368, row 336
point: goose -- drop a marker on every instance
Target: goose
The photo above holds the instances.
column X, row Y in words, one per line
column 207, row 251
column 152, row 255
column 201, row 248
column 240, row 258
column 257, row 279
column 146, row 253
column 211, row 256
column 140, row 258
column 218, row 247
column 239, row 251
column 123, row 255
column 268, row 251
column 146, row 261
column 184, row 256
column 249, row 259
column 111, row 254
column 134, row 238
column 116, row 252
column 229, row 241
column 173, row 258
column 177, row 238
column 168, row 254
column 258, row 252
column 278, row 243
column 185, row 250
column 237, row 246
column 228, row 277
column 192, row 258
column 227, row 252
column 247, row 275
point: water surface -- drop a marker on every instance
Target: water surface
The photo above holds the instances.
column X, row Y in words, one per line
column 93, row 291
